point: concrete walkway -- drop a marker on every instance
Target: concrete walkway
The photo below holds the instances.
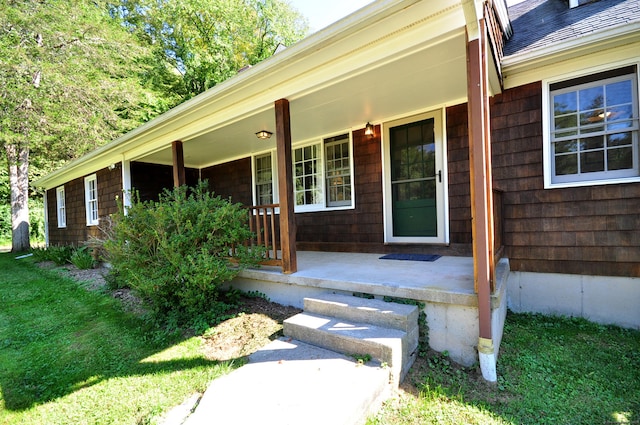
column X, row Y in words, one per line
column 290, row 382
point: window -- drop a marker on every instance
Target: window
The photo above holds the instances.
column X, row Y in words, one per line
column 594, row 129
column 264, row 179
column 338, row 171
column 91, row 199
column 322, row 176
column 307, row 176
column 60, row 202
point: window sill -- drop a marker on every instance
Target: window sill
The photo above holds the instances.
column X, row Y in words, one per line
column 635, row 179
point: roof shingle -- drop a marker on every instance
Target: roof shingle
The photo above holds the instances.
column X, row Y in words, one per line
column 539, row 23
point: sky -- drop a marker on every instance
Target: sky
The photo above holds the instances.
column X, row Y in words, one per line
column 321, row 13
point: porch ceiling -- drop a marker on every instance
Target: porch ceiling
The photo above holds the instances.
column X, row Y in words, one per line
column 428, row 77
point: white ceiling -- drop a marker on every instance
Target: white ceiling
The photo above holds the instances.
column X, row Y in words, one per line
column 427, row 78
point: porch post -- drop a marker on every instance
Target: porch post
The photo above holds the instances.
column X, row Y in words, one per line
column 179, row 177
column 481, row 194
column 285, row 187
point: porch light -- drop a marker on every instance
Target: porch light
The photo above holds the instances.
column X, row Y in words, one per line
column 368, row 129
column 263, row 134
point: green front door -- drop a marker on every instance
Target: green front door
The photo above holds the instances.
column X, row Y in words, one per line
column 414, row 179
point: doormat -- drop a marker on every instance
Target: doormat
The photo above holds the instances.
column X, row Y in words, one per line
column 411, row 257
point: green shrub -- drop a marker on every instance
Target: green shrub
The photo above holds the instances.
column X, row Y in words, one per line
column 60, row 255
column 175, row 252
column 82, row 259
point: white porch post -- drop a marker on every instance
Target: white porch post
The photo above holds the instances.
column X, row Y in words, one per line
column 126, row 184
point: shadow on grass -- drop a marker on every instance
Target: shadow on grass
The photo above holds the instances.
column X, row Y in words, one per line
column 57, row 338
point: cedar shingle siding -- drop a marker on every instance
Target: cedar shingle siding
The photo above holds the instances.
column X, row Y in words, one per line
column 77, row 231
column 593, row 230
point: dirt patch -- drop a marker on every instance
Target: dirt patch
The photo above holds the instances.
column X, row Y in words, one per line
column 257, row 322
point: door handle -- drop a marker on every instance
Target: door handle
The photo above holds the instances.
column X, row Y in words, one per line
column 439, row 174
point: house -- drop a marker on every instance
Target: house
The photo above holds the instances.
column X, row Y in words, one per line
column 450, row 127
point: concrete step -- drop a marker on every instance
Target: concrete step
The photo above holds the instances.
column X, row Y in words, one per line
column 377, row 312
column 289, row 382
column 394, row 347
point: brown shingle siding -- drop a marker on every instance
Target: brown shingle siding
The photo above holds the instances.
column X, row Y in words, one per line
column 584, row 230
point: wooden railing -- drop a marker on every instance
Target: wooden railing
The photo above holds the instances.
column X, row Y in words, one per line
column 265, row 227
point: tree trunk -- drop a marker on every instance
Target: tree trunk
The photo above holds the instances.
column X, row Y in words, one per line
column 18, row 160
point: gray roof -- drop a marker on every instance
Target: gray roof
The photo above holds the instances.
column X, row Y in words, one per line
column 539, row 23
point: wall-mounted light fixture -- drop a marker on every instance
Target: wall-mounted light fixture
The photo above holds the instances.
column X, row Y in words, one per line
column 263, row 134
column 368, row 130
column 112, row 167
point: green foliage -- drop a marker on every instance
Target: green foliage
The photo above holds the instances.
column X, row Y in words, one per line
column 201, row 43
column 60, row 255
column 72, row 356
column 36, row 221
column 175, row 252
column 82, row 258
column 551, row 370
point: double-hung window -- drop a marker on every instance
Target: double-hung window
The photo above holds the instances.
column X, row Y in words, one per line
column 322, row 176
column 61, row 207
column 338, row 171
column 593, row 123
column 264, row 184
column 91, row 199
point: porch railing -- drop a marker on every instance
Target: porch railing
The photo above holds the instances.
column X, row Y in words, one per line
column 265, row 227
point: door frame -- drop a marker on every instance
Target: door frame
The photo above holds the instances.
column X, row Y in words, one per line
column 442, row 192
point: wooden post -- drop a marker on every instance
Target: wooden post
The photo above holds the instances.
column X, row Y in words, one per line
column 179, row 177
column 480, row 176
column 285, row 187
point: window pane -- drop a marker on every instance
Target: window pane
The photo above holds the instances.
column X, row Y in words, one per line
column 591, row 98
column 620, row 158
column 566, row 121
column 619, row 139
column 591, row 143
column 591, row 162
column 565, row 103
column 619, row 93
column 566, row 164
column 565, row 147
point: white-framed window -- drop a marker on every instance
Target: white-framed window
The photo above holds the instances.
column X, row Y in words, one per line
column 61, row 207
column 338, row 170
column 307, row 177
column 592, row 135
column 322, row 175
column 91, row 199
column 264, row 187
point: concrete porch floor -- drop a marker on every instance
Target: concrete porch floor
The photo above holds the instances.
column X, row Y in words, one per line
column 445, row 286
column 446, row 280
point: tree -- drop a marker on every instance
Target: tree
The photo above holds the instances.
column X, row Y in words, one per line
column 71, row 78
column 204, row 42
column 75, row 75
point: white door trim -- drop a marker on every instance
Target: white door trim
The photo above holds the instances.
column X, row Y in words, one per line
column 442, row 192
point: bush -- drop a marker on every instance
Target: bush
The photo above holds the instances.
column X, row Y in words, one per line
column 82, row 259
column 60, row 255
column 175, row 252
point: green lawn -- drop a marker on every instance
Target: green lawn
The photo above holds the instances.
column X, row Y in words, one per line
column 550, row 371
column 70, row 356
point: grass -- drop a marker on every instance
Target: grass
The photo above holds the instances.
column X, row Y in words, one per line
column 551, row 371
column 71, row 356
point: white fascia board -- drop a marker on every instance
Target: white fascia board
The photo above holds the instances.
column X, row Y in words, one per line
column 525, row 67
column 359, row 40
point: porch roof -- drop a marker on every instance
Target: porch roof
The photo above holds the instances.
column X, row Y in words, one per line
column 389, row 59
